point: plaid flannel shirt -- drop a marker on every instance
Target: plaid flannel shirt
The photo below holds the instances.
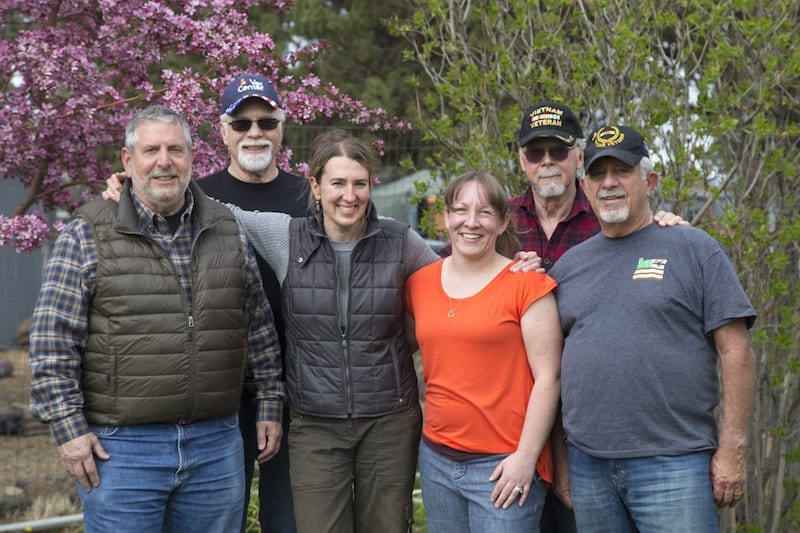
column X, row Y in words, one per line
column 580, row 224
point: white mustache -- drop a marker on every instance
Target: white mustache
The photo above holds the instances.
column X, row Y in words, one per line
column 170, row 173
column 608, row 194
column 548, row 173
column 256, row 144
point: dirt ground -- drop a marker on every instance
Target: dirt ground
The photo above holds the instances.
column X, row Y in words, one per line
column 30, row 470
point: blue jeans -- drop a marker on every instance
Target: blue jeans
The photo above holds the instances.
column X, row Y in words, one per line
column 457, row 496
column 168, row 477
column 275, row 504
column 646, row 494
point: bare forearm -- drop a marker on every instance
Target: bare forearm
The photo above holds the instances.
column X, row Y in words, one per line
column 737, row 370
column 738, row 375
column 540, row 415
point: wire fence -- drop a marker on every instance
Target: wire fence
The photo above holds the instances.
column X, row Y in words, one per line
column 399, row 149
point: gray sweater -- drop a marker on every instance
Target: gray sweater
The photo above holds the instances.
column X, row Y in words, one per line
column 269, row 235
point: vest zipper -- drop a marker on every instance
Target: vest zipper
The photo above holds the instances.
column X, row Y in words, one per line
column 192, row 368
column 348, row 375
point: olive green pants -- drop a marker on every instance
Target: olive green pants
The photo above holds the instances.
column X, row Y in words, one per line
column 354, row 475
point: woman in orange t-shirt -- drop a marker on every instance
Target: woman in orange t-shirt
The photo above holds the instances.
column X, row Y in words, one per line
column 490, row 342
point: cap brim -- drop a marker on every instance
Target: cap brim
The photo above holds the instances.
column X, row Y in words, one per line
column 626, row 157
column 234, row 106
column 548, row 134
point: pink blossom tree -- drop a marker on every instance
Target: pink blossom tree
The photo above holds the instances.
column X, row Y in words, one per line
column 74, row 71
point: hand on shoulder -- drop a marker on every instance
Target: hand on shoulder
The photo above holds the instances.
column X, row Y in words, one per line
column 667, row 219
column 114, row 186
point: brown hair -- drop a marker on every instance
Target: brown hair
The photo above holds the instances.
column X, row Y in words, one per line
column 507, row 243
column 336, row 143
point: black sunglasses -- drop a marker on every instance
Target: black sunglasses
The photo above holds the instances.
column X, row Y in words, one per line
column 244, row 124
column 558, row 153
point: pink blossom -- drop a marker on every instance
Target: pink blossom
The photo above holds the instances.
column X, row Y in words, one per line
column 378, row 146
column 82, row 68
column 24, row 233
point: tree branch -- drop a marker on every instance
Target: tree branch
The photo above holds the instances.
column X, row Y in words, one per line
column 33, row 189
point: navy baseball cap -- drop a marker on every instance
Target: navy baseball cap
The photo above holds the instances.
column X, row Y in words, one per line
column 552, row 120
column 619, row 142
column 249, row 86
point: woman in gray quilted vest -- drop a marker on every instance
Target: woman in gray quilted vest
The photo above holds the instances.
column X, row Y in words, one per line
column 352, row 388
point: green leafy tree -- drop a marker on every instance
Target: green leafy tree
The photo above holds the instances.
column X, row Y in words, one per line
column 715, row 86
column 359, row 55
column 362, row 56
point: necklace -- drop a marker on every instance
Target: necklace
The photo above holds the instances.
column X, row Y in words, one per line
column 452, row 312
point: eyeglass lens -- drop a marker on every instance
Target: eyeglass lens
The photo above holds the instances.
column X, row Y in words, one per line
column 244, row 124
column 535, row 155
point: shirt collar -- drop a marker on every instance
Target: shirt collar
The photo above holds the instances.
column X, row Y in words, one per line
column 152, row 220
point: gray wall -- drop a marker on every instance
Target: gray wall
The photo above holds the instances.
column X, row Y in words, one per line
column 20, row 273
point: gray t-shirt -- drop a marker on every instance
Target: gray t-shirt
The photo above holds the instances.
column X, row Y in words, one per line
column 343, row 251
column 638, row 372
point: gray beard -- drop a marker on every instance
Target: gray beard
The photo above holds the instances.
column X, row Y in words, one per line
column 551, row 190
column 615, row 216
column 254, row 163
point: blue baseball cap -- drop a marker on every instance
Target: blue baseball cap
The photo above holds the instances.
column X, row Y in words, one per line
column 249, row 86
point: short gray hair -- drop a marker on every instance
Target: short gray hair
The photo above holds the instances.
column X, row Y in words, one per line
column 646, row 166
column 580, row 142
column 155, row 113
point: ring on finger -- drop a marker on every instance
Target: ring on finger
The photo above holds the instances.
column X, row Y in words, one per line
column 519, row 489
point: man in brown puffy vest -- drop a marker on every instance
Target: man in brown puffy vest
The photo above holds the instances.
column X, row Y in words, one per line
column 149, row 313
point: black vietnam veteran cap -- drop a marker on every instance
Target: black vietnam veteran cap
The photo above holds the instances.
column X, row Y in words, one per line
column 552, row 120
column 619, row 142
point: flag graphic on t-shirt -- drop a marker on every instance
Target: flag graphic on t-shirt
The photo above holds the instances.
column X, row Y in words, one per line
column 650, row 269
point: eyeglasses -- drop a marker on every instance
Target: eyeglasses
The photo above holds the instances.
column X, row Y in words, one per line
column 244, row 124
column 536, row 155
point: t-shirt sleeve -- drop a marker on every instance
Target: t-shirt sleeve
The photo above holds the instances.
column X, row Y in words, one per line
column 724, row 298
column 533, row 286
